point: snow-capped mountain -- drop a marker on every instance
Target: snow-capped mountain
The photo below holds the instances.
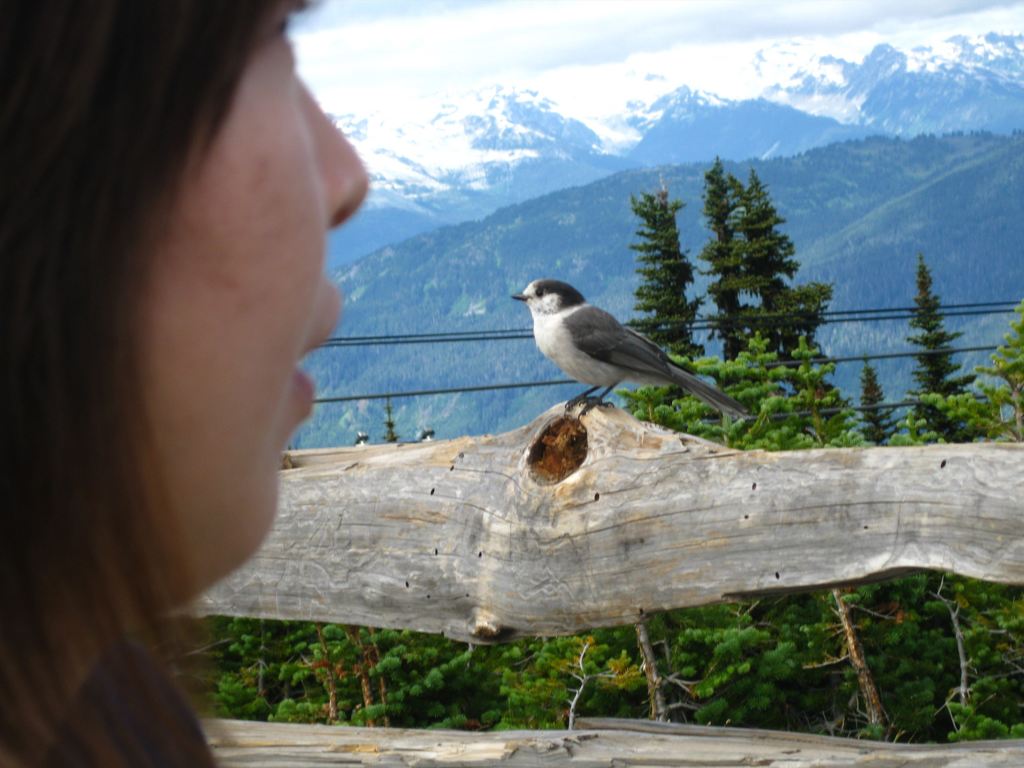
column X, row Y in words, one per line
column 963, row 84
column 689, row 126
column 461, row 156
column 681, row 104
column 470, row 144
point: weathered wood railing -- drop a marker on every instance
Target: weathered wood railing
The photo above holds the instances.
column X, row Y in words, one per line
column 565, row 525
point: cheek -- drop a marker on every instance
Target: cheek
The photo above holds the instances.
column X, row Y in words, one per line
column 236, row 293
column 214, row 397
column 237, row 296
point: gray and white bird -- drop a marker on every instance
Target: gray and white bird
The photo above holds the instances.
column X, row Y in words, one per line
column 594, row 348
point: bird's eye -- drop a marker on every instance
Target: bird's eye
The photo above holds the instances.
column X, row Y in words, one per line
column 540, row 292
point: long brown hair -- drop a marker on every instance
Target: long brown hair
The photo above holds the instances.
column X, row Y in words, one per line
column 106, row 102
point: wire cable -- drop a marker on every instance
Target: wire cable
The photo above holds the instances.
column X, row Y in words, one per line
column 706, row 323
column 554, row 382
column 446, row 391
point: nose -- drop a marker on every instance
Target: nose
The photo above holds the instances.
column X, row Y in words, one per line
column 344, row 177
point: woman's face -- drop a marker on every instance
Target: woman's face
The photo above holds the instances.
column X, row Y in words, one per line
column 237, row 296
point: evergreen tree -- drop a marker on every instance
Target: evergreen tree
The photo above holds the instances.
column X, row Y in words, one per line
column 766, row 254
column 999, row 414
column 1005, row 389
column 390, row 435
column 799, row 311
column 540, row 677
column 785, row 313
column 665, row 273
column 878, row 424
column 935, row 373
column 749, row 257
column 724, row 264
column 796, row 406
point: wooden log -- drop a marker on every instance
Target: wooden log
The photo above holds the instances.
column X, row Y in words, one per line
column 596, row 744
column 479, row 539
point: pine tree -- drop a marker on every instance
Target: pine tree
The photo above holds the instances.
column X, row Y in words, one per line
column 1004, row 388
column 749, row 256
column 999, row 414
column 935, row 373
column 878, row 424
column 390, row 435
column 796, row 405
column 724, row 263
column 766, row 254
column 785, row 312
column 665, row 273
column 798, row 311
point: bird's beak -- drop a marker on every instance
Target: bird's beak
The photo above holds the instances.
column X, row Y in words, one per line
column 518, row 297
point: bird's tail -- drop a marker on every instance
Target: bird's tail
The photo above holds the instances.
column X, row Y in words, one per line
column 709, row 394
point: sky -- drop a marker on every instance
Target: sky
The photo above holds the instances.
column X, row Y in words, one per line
column 592, row 56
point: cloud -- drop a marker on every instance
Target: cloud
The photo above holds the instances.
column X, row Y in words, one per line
column 377, row 50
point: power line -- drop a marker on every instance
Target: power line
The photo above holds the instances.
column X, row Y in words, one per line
column 551, row 383
column 447, row 391
column 769, row 321
column 427, row 338
column 878, row 356
column 971, row 305
column 706, row 323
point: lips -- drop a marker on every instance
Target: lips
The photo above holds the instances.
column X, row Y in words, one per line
column 328, row 305
column 330, row 299
column 304, row 386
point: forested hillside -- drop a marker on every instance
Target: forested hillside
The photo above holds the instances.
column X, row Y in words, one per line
column 858, row 213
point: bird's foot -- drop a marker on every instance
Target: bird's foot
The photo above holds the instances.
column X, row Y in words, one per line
column 578, row 401
column 595, row 402
column 587, row 397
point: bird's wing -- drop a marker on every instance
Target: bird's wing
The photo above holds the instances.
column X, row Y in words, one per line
column 602, row 337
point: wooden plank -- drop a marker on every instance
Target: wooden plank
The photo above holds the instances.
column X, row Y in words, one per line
column 465, row 537
column 596, row 744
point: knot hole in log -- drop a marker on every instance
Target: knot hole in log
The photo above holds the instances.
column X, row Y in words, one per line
column 558, row 451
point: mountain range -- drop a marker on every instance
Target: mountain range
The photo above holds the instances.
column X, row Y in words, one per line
column 463, row 156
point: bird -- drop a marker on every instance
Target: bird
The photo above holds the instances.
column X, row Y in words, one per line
column 594, row 348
